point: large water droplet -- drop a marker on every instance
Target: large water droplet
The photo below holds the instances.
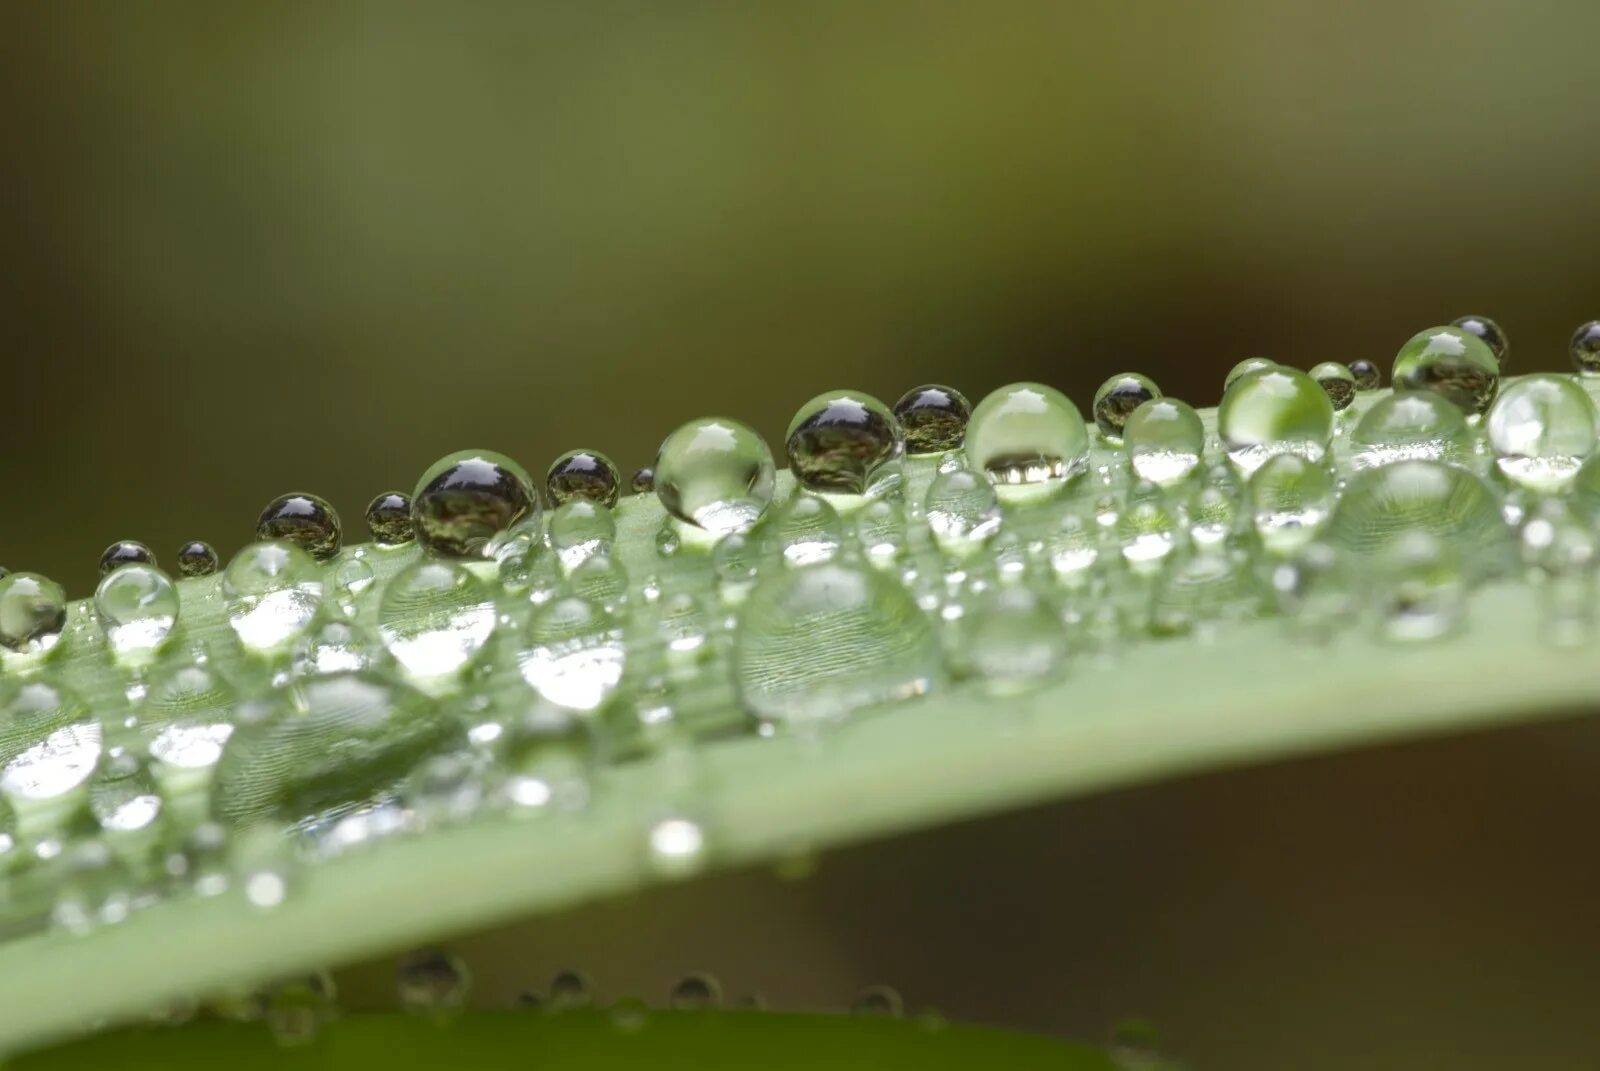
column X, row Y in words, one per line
column 1542, row 428
column 1450, row 362
column 820, row 641
column 137, row 606
column 467, row 499
column 33, row 611
column 434, row 618
column 1379, row 506
column 1410, row 426
column 576, row 655
column 273, row 591
column 933, row 419
column 1164, row 438
column 844, row 443
column 1274, row 411
column 307, row 521
column 715, row 475
column 1027, row 438
column 389, row 519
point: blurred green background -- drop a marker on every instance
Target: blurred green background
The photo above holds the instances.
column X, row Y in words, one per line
column 250, row 249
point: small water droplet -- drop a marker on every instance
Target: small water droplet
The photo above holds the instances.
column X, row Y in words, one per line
column 33, row 611
column 881, row 533
column 123, row 794
column 579, row 529
column 1012, row 641
column 933, row 419
column 1291, row 499
column 715, row 475
column 586, row 475
column 1337, row 382
column 1450, row 362
column 1366, row 373
column 137, row 606
column 1027, row 438
column 467, row 499
column 807, row 530
column 1244, row 368
column 1116, row 400
column 1074, row 546
column 434, row 618
column 1492, row 334
column 1274, row 411
column 1584, row 349
column 336, row 647
column 644, row 481
column 197, row 558
column 962, row 511
column 1410, row 426
column 1421, row 593
column 576, row 656
column 1146, row 527
column 1317, row 591
column 1164, row 438
column 389, row 519
column 307, row 521
column 570, row 990
column 433, row 984
column 1541, row 429
column 125, row 552
column 296, row 1009
column 879, row 1001
column 696, row 992
column 273, row 591
column 820, row 641
column 546, row 760
column 844, row 443
column 92, row 887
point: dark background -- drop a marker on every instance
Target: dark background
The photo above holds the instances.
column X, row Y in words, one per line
column 254, row 248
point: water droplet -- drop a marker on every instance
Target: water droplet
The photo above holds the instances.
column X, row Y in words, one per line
column 1585, row 348
column 1421, row 591
column 1202, row 589
column 1027, row 438
column 716, row 475
column 696, row 992
column 389, row 519
column 125, row 552
column 1274, row 411
column 1450, row 362
column 933, row 419
column 295, row 1010
column 468, row 498
column 644, row 481
column 579, row 529
column 137, row 606
column 1410, row 426
column 1214, row 512
column 807, row 530
column 1074, row 546
column 534, row 569
column 880, row 1001
column 962, row 511
column 844, row 443
column 881, row 532
column 569, row 990
column 546, row 760
column 433, row 984
column 1164, row 438
column 197, row 558
column 602, row 580
column 123, row 794
column 736, row 559
column 820, row 641
column 1541, row 429
column 1367, row 375
column 1116, row 400
column 1380, row 506
column 351, row 737
column 676, row 847
column 1492, row 334
column 337, row 647
column 434, row 618
column 1316, row 590
column 49, row 744
column 304, row 520
column 1012, row 641
column 1291, row 499
column 585, row 475
column 628, row 1015
column 1337, row 382
column 273, row 591
column 1244, row 368
column 576, row 655
column 187, row 717
column 1146, row 526
column 263, row 863
column 33, row 611
column 92, row 887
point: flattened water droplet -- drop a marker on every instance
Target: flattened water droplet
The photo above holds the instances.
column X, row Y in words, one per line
column 1410, row 426
column 1164, row 438
column 1274, row 411
column 1116, row 400
column 1337, row 382
column 1379, row 506
column 1449, row 362
column 468, row 498
column 389, row 519
column 1584, row 349
column 307, row 521
column 817, row 642
column 1541, row 429
column 1492, row 334
column 125, row 552
column 933, row 418
column 138, row 607
column 33, row 611
column 844, row 442
column 583, row 474
column 272, row 591
column 716, row 475
column 197, row 558
column 434, row 618
column 1027, row 438
column 962, row 511
column 1367, row 375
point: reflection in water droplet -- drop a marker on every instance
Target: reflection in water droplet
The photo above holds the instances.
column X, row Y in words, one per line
column 307, row 521
column 1274, row 411
column 715, row 475
column 137, row 606
column 1164, row 438
column 33, row 611
column 1337, row 382
column 576, row 655
column 1450, row 362
column 125, row 552
column 1541, row 429
column 468, row 498
column 807, row 530
column 1116, row 400
column 933, row 419
column 961, row 511
column 1411, row 426
column 273, row 591
column 1585, row 348
column 1291, row 499
column 845, row 443
column 586, row 475
column 389, row 519
column 196, row 558
column 1367, row 375
column 1379, row 506
column 1027, row 438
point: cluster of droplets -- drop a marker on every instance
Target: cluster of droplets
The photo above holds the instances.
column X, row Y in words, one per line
column 498, row 642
